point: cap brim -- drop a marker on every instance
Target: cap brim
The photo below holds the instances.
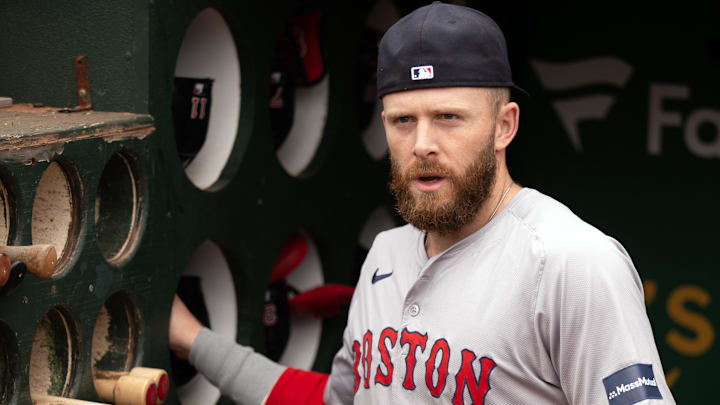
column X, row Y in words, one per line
column 518, row 94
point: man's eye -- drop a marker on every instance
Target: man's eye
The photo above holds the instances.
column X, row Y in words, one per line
column 403, row 120
column 449, row 116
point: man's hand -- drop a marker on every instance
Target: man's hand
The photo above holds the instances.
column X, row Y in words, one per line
column 184, row 328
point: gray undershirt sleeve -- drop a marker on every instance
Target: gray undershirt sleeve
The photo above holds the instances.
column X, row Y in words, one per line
column 240, row 373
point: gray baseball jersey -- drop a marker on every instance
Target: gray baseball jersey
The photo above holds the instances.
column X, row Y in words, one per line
column 537, row 307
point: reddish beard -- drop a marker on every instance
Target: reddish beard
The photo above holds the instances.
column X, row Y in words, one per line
column 467, row 192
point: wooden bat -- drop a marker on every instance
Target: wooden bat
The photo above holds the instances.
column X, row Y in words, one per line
column 105, row 381
column 40, row 260
column 121, row 388
column 40, row 399
column 4, row 269
column 131, row 390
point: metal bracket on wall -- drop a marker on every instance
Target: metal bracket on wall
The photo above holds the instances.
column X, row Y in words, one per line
column 82, row 83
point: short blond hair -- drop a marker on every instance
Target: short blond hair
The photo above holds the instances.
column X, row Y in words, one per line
column 498, row 97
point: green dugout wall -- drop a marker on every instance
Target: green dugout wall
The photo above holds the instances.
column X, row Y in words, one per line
column 622, row 126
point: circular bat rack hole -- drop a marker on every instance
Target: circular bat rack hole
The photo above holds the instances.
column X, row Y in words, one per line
column 299, row 91
column 8, row 362
column 4, row 214
column 207, row 289
column 114, row 340
column 118, row 207
column 293, row 339
column 54, row 354
column 381, row 17
column 206, row 98
column 380, row 220
column 54, row 211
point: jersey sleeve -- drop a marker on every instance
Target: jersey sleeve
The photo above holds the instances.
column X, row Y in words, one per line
column 591, row 321
column 340, row 386
column 344, row 379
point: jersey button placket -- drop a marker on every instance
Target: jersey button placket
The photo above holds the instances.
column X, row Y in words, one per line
column 414, row 310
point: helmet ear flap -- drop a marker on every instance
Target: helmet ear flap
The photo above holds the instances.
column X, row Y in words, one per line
column 282, row 106
column 276, row 318
column 291, row 254
column 307, row 46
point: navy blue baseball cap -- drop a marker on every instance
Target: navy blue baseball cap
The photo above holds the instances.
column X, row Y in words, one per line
column 444, row 45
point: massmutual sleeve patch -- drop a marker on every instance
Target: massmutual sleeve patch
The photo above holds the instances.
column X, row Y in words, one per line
column 631, row 384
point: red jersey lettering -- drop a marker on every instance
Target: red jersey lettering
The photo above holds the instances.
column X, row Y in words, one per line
column 477, row 388
column 437, row 389
column 367, row 358
column 356, row 351
column 380, row 377
column 414, row 339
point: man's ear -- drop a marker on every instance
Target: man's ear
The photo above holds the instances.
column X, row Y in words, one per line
column 384, row 123
column 506, row 125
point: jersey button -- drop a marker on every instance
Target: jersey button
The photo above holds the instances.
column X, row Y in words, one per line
column 414, row 310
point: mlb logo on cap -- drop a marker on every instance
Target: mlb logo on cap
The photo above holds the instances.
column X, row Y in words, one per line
column 421, row 72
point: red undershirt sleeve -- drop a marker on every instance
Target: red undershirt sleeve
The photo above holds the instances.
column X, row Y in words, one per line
column 298, row 387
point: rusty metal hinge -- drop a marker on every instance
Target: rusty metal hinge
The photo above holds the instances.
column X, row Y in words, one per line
column 82, row 83
column 82, row 78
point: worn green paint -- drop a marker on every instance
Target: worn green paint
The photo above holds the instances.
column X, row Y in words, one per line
column 8, row 349
column 81, row 290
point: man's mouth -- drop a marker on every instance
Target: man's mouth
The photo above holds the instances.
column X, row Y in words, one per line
column 429, row 182
column 430, row 179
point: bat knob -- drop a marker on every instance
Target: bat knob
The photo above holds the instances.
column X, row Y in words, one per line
column 17, row 273
column 151, row 397
column 158, row 376
column 4, row 269
column 163, row 387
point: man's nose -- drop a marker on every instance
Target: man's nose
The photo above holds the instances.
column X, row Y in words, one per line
column 425, row 140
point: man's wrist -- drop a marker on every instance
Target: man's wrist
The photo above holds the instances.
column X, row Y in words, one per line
column 208, row 334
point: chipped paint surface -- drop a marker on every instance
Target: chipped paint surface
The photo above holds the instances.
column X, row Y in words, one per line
column 35, row 134
column 33, row 155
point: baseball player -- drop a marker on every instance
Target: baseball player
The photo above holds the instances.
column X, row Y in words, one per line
column 493, row 293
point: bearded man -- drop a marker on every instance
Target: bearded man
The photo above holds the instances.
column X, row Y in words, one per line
column 492, row 293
